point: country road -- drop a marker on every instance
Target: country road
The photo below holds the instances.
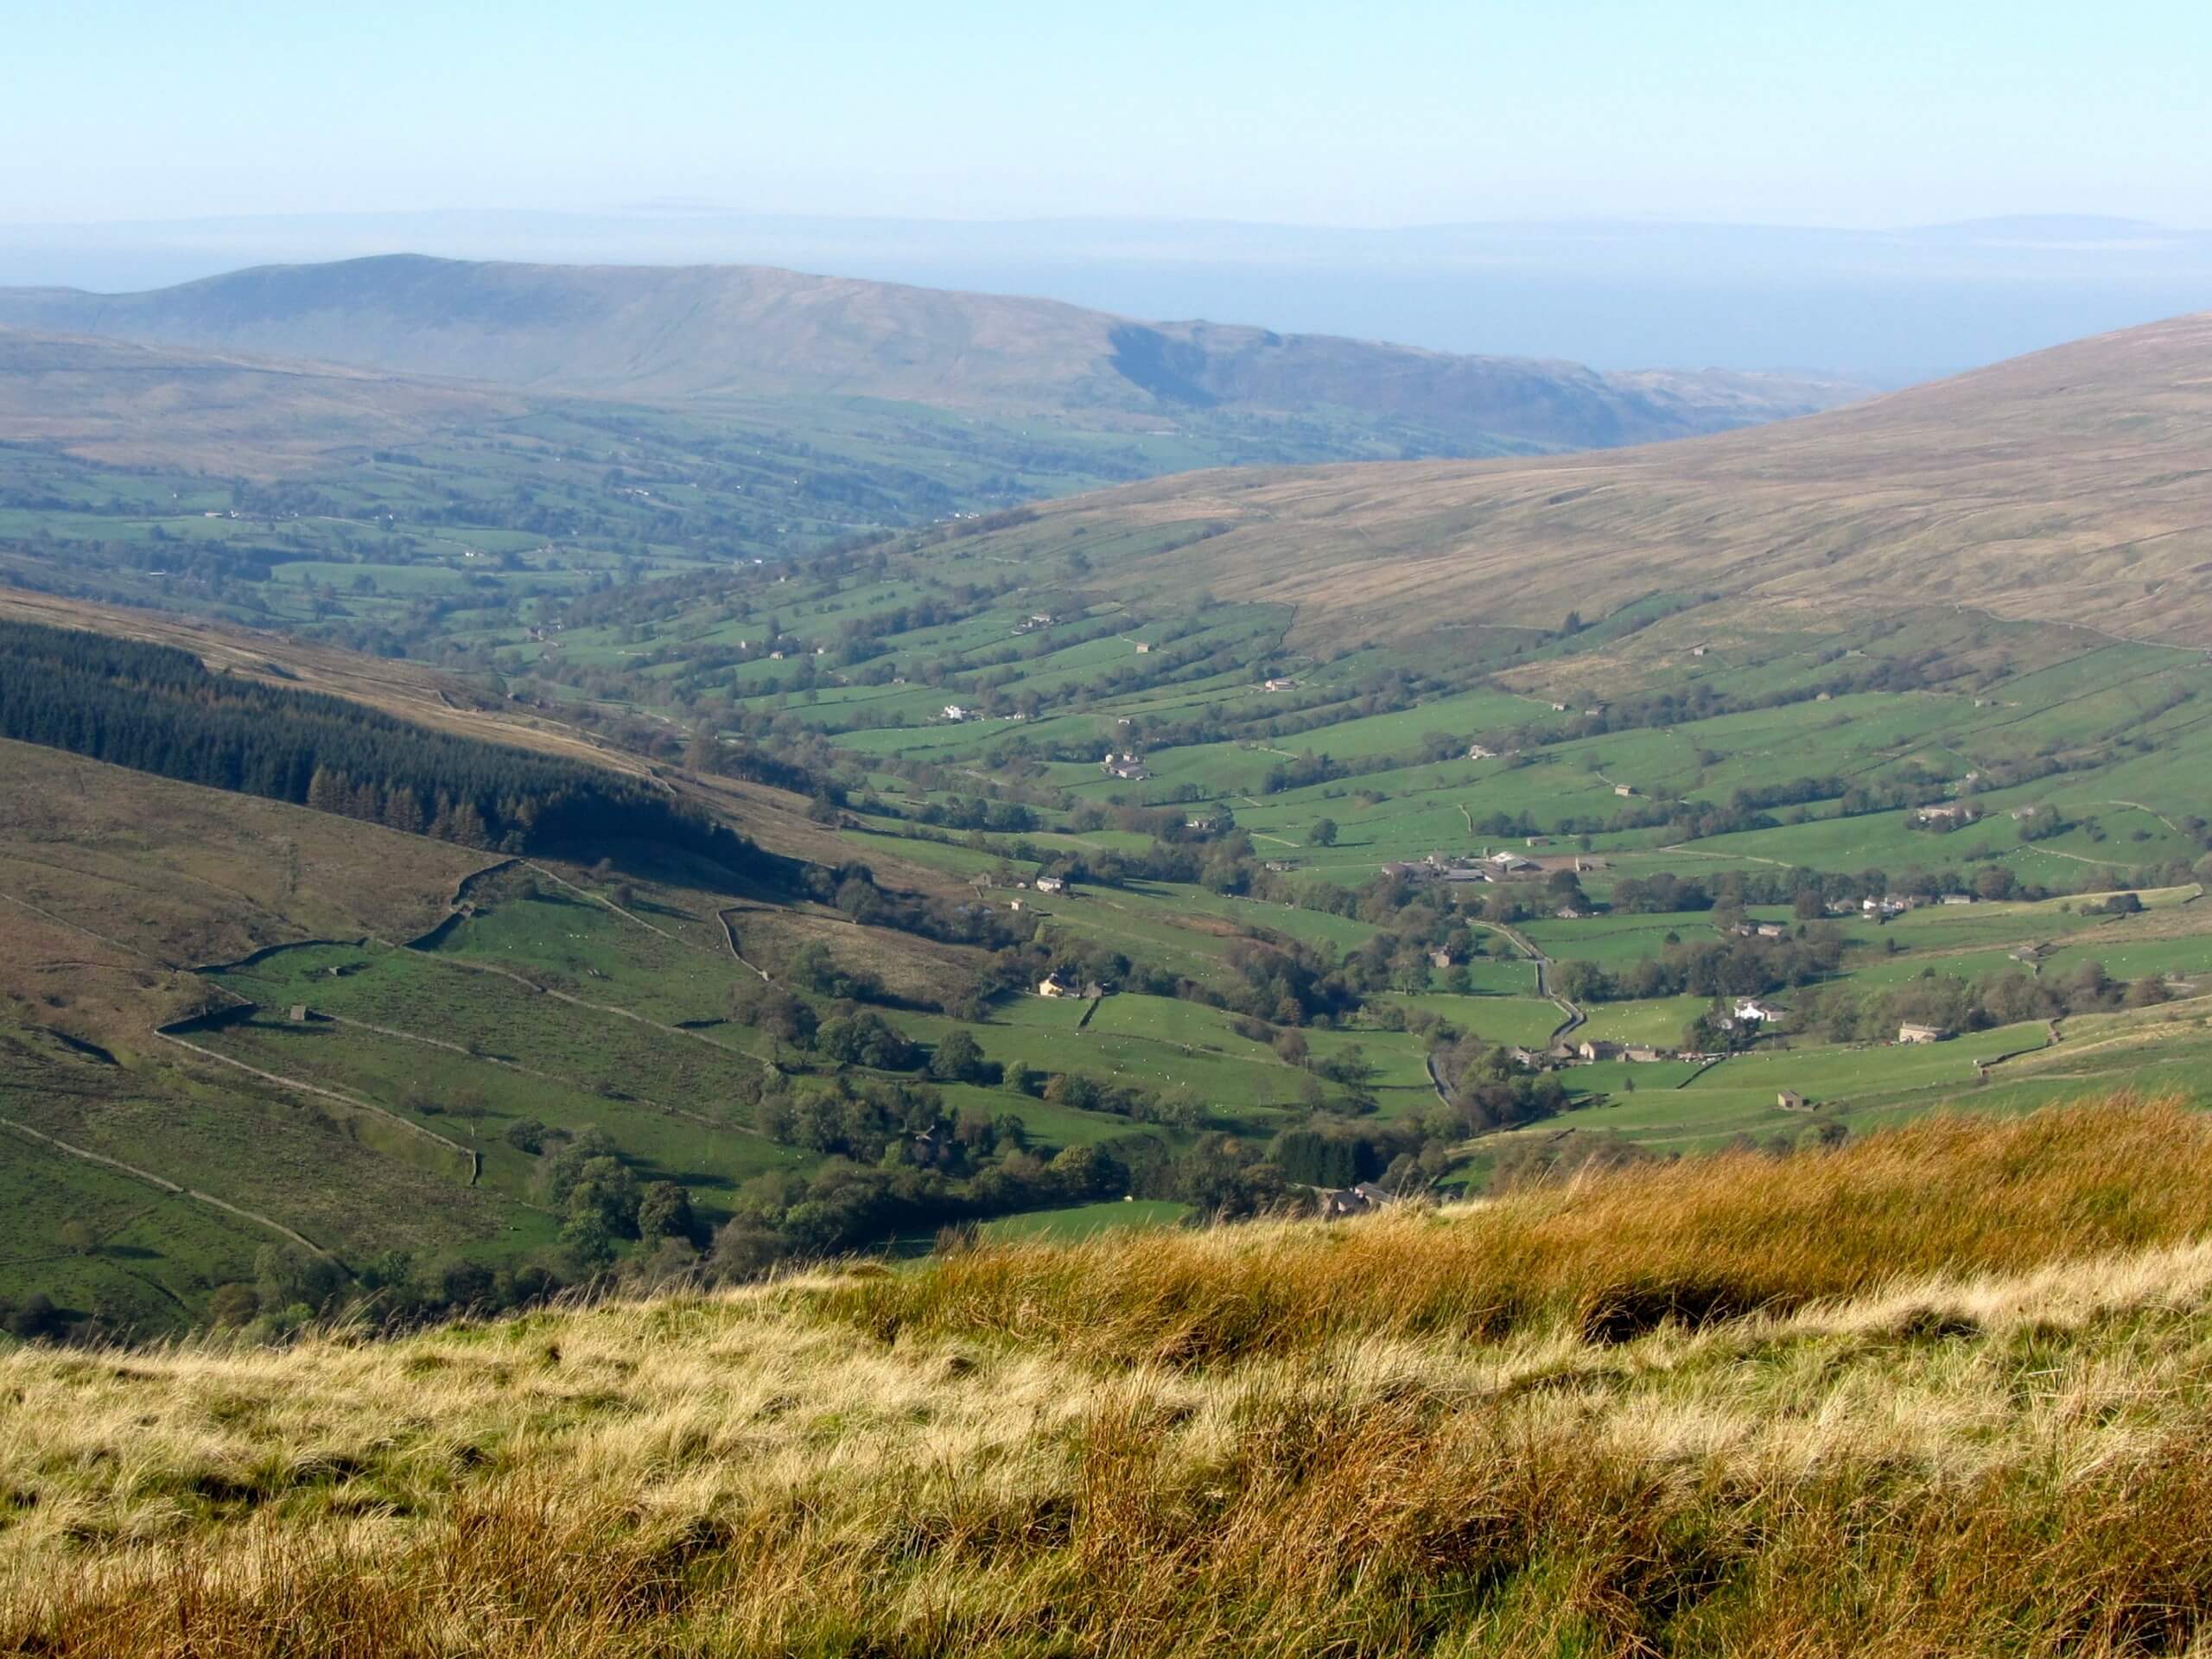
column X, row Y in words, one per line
column 1574, row 1014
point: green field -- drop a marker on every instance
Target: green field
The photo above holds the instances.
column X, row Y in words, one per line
column 1085, row 1220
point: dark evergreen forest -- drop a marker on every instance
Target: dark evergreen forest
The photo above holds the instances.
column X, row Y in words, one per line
column 157, row 709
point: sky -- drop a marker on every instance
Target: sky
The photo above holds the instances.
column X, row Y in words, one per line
column 1383, row 113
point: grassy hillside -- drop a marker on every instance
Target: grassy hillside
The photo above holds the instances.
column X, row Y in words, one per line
column 2059, row 486
column 1298, row 983
column 1939, row 1393
column 709, row 332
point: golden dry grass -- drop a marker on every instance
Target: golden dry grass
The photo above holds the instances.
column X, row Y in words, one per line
column 1979, row 1448
column 2062, row 486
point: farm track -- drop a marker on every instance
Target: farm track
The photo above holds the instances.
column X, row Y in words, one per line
column 77, row 927
column 467, row 966
column 729, row 933
column 585, row 893
column 1575, row 1017
column 300, row 1085
column 451, row 1047
column 167, row 1185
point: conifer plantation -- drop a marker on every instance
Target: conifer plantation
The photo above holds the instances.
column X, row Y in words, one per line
column 157, row 708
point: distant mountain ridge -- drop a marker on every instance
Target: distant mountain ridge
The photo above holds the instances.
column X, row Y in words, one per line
column 699, row 332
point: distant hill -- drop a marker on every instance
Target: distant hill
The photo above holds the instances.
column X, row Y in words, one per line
column 2067, row 485
column 112, row 401
column 659, row 333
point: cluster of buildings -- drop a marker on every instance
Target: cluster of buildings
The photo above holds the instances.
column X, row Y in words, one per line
column 1340, row 1202
column 1057, row 984
column 1125, row 765
column 1950, row 812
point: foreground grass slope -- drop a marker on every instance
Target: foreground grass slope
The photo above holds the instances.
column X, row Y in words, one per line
column 1944, row 1391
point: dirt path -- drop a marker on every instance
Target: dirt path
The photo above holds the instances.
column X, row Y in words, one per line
column 729, row 933
column 585, row 892
column 1680, row 851
column 302, row 1086
column 467, row 966
column 2140, row 807
column 168, row 1185
column 1428, row 1064
column 76, row 927
column 531, row 1071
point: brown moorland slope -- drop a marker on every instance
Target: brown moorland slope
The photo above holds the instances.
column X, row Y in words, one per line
column 2074, row 485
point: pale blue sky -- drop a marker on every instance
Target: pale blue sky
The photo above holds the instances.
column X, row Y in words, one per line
column 1391, row 112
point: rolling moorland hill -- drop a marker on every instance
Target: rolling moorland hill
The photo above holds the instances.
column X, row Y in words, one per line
column 114, row 402
column 1941, row 1393
column 2067, row 486
column 712, row 332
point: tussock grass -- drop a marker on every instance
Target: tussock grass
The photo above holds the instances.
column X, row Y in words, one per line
column 1614, row 1255
column 1975, row 1423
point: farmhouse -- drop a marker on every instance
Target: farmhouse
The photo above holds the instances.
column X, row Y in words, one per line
column 1913, row 1033
column 1280, row 685
column 1571, row 913
column 1281, row 866
column 1440, row 957
column 1477, row 752
column 1512, row 862
column 1054, row 985
column 1641, row 1054
column 1205, row 822
column 1359, row 1200
column 955, row 711
column 1750, row 1011
column 1943, row 812
column 1051, row 884
column 1589, row 1049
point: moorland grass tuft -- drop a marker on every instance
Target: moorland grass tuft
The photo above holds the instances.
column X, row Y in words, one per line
column 1953, row 1399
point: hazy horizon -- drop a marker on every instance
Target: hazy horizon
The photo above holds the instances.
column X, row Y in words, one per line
column 1883, row 306
column 1725, row 183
